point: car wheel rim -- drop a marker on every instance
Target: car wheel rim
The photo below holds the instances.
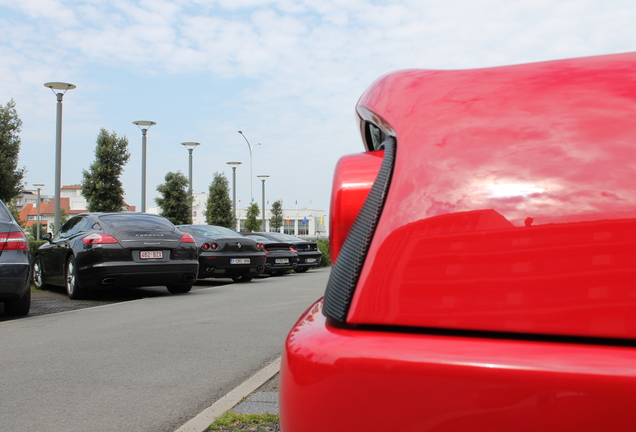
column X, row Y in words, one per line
column 70, row 277
column 37, row 274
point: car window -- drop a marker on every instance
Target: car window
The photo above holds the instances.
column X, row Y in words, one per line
column 212, row 230
column 257, row 237
column 136, row 222
column 71, row 227
column 5, row 215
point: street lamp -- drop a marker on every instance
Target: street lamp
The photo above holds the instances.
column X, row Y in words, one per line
column 234, row 165
column 143, row 126
column 263, row 178
column 63, row 87
column 190, row 146
column 39, row 186
column 250, row 147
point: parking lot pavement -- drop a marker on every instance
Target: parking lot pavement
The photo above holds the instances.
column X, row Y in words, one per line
column 55, row 300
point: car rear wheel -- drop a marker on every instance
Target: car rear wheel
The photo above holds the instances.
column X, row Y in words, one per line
column 73, row 289
column 244, row 278
column 301, row 269
column 19, row 307
column 38, row 275
column 180, row 288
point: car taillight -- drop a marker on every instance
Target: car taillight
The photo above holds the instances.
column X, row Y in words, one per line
column 205, row 246
column 15, row 240
column 353, row 179
column 260, row 246
column 293, row 250
column 187, row 238
column 208, row 246
column 96, row 238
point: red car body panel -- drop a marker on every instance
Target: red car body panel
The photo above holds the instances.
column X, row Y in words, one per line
column 511, row 205
column 498, row 288
column 339, row 379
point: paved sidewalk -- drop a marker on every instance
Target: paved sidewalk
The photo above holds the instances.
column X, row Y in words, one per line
column 263, row 401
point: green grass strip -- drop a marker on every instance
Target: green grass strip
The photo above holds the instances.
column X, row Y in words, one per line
column 231, row 419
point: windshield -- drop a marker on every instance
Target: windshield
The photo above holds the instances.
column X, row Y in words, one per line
column 209, row 230
column 284, row 237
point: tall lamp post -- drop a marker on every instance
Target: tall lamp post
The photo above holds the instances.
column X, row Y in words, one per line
column 143, row 126
column 37, row 228
column 190, row 146
column 250, row 146
column 234, row 165
column 263, row 178
column 63, row 87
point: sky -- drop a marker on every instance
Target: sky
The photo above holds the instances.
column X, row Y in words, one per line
column 288, row 73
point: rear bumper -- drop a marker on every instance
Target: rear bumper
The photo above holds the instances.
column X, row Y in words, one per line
column 344, row 379
column 15, row 280
column 309, row 259
column 134, row 274
column 220, row 266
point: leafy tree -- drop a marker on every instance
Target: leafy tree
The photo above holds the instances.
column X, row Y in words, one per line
column 218, row 209
column 32, row 230
column 63, row 218
column 10, row 176
column 276, row 221
column 15, row 213
column 101, row 185
column 175, row 200
column 252, row 223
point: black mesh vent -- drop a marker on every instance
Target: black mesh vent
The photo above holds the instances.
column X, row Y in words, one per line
column 345, row 273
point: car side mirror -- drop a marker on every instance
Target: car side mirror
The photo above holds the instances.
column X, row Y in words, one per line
column 47, row 237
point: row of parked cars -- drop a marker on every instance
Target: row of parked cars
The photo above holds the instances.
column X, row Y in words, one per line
column 124, row 249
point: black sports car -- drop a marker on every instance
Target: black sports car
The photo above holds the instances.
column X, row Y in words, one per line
column 15, row 267
column 226, row 253
column 281, row 257
column 308, row 254
column 101, row 250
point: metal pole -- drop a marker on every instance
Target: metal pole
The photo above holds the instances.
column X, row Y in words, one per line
column 190, row 171
column 143, row 170
column 58, row 162
column 234, row 191
column 38, row 223
column 264, row 229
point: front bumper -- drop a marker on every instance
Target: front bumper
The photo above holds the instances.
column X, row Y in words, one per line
column 344, row 379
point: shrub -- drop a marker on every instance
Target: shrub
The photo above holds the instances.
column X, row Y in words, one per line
column 34, row 245
column 323, row 247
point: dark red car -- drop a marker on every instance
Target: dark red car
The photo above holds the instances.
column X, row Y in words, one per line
column 485, row 258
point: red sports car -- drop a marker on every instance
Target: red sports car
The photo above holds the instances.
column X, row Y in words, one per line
column 485, row 258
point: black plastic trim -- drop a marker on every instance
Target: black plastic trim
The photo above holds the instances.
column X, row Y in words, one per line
column 346, row 271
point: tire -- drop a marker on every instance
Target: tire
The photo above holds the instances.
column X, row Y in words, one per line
column 19, row 307
column 241, row 279
column 73, row 288
column 180, row 288
column 301, row 269
column 38, row 275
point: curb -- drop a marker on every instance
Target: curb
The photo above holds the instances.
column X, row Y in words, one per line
column 205, row 418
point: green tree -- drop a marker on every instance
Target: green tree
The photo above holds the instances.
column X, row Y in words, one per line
column 175, row 200
column 63, row 218
column 276, row 221
column 218, row 209
column 252, row 223
column 101, row 185
column 10, row 176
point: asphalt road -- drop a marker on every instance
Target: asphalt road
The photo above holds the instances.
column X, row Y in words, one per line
column 146, row 365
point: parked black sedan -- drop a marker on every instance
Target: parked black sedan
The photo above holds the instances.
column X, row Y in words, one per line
column 226, row 253
column 281, row 256
column 308, row 254
column 101, row 250
column 15, row 267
